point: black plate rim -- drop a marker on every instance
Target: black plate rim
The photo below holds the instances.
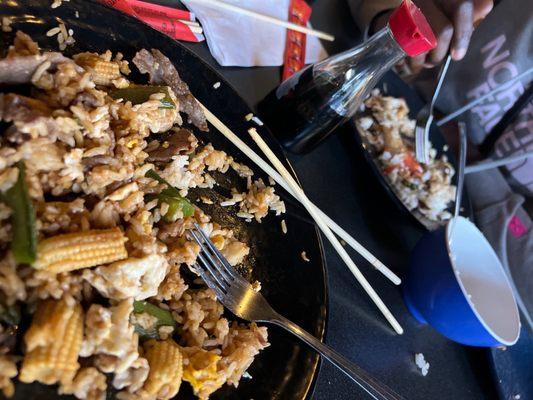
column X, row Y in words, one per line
column 278, row 150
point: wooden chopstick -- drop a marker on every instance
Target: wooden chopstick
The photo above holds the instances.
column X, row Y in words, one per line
column 266, row 18
column 195, row 29
column 325, row 229
column 252, row 155
column 190, row 23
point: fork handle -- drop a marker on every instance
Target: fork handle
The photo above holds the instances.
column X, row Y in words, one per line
column 440, row 80
column 377, row 390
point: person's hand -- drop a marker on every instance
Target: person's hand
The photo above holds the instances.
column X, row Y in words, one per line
column 452, row 22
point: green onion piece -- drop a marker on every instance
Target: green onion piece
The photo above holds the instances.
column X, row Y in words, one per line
column 409, row 185
column 171, row 196
column 138, row 94
column 164, row 318
column 24, row 243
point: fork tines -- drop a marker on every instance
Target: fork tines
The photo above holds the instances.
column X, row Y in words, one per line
column 212, row 266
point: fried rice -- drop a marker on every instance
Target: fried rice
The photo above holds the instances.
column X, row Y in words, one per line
column 86, row 154
column 425, row 188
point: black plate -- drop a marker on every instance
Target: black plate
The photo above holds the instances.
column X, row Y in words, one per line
column 287, row 369
column 392, row 85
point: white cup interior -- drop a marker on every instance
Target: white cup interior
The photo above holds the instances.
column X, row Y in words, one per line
column 483, row 280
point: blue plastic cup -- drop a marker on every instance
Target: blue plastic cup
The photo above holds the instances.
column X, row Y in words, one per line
column 458, row 285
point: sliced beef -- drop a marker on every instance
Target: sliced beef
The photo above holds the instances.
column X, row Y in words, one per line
column 27, row 111
column 15, row 107
column 13, row 135
column 161, row 71
column 8, row 339
column 19, row 69
column 180, row 141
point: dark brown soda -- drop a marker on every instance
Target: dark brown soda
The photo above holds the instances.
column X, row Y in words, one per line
column 297, row 112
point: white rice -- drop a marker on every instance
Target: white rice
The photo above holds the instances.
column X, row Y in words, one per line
column 206, row 200
column 304, row 256
column 57, row 3
column 41, row 69
column 245, row 215
column 283, row 226
column 53, row 31
column 64, row 37
column 421, row 363
column 6, row 24
column 163, row 209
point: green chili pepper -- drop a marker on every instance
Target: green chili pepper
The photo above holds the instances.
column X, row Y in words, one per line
column 177, row 206
column 409, row 185
column 24, row 243
column 138, row 94
column 164, row 318
column 176, row 203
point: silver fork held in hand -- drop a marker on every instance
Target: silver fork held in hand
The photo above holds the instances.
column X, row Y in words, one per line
column 237, row 295
column 424, row 118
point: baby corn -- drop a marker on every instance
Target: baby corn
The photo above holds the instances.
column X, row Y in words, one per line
column 166, row 368
column 53, row 342
column 72, row 251
column 103, row 72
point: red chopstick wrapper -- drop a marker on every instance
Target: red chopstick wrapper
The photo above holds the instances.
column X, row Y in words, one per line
column 294, row 58
column 155, row 11
column 164, row 19
column 173, row 28
column 121, row 5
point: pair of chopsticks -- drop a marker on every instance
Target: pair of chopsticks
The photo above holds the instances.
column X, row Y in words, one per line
column 146, row 9
column 285, row 180
column 176, row 23
column 266, row 18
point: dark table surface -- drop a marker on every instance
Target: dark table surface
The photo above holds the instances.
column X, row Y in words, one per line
column 335, row 178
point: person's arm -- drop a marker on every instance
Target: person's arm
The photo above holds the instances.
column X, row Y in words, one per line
column 364, row 12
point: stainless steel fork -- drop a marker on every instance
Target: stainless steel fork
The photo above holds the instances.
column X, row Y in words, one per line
column 237, row 295
column 424, row 118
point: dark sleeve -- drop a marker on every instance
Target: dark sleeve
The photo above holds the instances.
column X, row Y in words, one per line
column 364, row 11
